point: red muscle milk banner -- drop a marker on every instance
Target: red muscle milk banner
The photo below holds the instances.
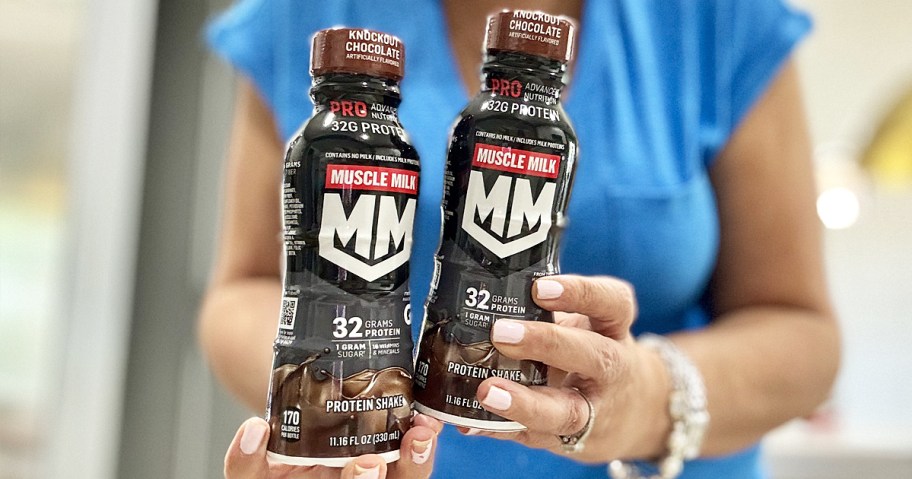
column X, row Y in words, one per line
column 374, row 178
column 515, row 160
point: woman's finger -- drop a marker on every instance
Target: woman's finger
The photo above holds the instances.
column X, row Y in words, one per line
column 416, row 458
column 570, row 349
column 572, row 320
column 368, row 466
column 246, row 456
column 541, row 409
column 535, row 440
column 546, row 412
column 427, row 421
column 609, row 302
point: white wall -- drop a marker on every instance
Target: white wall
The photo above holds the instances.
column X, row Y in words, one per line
column 110, row 121
column 857, row 61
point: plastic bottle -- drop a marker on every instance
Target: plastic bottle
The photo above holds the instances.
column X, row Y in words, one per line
column 509, row 171
column 342, row 371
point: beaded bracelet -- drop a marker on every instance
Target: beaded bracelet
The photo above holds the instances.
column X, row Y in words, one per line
column 687, row 408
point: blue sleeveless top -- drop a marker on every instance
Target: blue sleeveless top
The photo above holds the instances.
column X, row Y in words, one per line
column 658, row 88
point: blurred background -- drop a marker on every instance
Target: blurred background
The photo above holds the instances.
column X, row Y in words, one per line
column 113, row 122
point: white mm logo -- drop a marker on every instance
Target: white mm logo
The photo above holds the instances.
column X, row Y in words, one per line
column 389, row 229
column 507, row 219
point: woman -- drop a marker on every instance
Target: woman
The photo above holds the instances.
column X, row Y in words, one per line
column 692, row 213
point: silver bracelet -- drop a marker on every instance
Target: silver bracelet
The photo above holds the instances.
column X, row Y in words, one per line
column 687, row 408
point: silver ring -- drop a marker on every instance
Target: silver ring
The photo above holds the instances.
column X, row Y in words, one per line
column 574, row 443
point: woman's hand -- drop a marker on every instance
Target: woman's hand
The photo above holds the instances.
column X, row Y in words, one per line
column 590, row 353
column 246, row 457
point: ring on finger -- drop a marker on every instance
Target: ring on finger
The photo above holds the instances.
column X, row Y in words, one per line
column 574, row 443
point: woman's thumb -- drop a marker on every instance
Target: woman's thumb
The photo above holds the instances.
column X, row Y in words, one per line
column 246, row 457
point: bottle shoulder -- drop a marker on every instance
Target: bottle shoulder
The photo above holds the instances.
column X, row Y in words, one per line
column 327, row 131
column 499, row 114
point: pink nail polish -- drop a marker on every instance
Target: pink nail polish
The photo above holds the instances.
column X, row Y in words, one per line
column 252, row 437
column 548, row 289
column 421, row 451
column 506, row 331
column 497, row 399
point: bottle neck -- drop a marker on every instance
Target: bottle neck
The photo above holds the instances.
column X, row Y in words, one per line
column 352, row 95
column 521, row 76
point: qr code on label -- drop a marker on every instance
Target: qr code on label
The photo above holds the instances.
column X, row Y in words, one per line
column 289, row 310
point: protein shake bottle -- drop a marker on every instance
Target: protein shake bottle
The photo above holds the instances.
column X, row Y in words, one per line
column 509, row 170
column 342, row 372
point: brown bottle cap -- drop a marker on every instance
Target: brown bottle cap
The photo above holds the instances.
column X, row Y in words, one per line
column 531, row 32
column 357, row 50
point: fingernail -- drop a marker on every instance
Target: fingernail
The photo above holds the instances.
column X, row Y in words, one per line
column 472, row 431
column 548, row 289
column 252, row 437
column 421, row 451
column 497, row 399
column 506, row 331
column 367, row 473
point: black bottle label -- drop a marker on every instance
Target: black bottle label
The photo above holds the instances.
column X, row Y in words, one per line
column 341, row 389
